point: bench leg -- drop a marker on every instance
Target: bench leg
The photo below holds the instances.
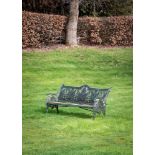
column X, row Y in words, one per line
column 46, row 108
column 104, row 111
column 57, row 108
column 52, row 106
column 94, row 113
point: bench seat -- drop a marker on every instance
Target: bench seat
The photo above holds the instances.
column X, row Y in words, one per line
column 69, row 104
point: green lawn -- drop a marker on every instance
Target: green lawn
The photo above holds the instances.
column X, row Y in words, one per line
column 73, row 131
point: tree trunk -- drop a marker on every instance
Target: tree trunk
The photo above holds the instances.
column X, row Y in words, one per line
column 94, row 9
column 71, row 34
column 34, row 4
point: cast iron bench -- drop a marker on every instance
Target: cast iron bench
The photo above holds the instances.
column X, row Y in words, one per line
column 84, row 97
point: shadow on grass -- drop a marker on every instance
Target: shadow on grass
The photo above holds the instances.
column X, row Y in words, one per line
column 65, row 113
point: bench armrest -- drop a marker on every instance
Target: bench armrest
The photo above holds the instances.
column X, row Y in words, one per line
column 99, row 104
column 51, row 97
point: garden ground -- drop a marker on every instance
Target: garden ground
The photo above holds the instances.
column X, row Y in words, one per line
column 73, row 131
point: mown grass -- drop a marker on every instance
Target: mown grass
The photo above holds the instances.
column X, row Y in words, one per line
column 73, row 131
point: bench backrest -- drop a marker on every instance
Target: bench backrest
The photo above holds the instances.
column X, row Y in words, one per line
column 83, row 94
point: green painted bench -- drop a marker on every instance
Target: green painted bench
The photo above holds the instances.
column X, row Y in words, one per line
column 84, row 97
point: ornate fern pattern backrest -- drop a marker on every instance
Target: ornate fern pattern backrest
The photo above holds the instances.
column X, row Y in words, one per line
column 95, row 93
column 83, row 94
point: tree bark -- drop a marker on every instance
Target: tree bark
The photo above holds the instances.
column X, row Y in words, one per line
column 71, row 33
column 34, row 4
column 94, row 9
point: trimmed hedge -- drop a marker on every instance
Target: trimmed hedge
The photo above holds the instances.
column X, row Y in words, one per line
column 108, row 31
column 44, row 29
